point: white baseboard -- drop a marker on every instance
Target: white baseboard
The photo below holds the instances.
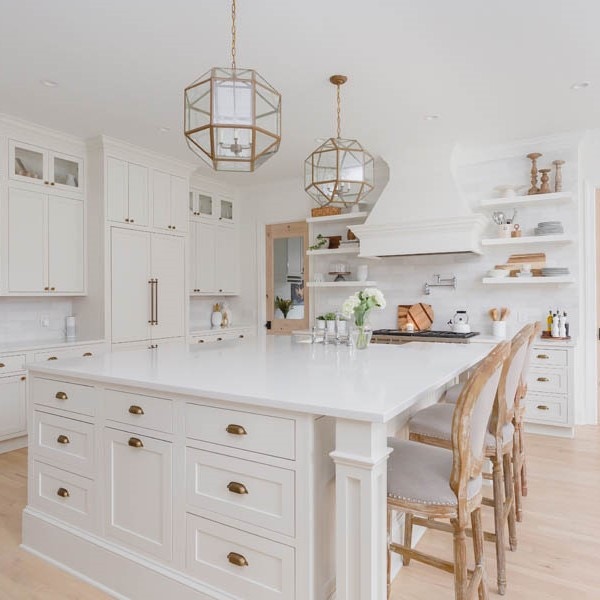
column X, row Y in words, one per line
column 13, row 444
column 551, row 430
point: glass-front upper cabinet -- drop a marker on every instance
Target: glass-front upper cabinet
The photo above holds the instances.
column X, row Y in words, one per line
column 202, row 204
column 32, row 164
column 226, row 210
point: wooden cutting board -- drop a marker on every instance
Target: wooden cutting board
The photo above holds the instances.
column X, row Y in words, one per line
column 420, row 315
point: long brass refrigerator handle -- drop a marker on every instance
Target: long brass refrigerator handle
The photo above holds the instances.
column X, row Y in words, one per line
column 156, row 301
column 153, row 300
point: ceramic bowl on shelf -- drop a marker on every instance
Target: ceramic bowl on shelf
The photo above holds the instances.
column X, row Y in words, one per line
column 498, row 273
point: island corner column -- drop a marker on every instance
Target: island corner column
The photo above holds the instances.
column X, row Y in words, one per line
column 360, row 458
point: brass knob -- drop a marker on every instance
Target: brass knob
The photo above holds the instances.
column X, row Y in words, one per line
column 237, row 488
column 52, row 289
column 61, row 395
column 201, row 341
column 237, row 559
column 87, row 354
column 543, row 356
column 62, row 439
column 219, row 339
column 174, row 227
column 131, row 220
column 46, row 289
column 135, row 443
column 236, row 430
column 52, row 358
column 52, row 183
column 2, row 365
column 542, row 407
column 62, row 492
column 543, row 379
column 23, row 378
column 241, row 336
column 126, row 220
column 136, row 410
column 46, row 182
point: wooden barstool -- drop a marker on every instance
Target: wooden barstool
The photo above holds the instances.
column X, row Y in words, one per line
column 428, row 483
column 433, row 426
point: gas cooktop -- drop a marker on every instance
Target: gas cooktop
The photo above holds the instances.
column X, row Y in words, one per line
column 426, row 334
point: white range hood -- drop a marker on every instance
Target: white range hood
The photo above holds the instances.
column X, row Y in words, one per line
column 421, row 210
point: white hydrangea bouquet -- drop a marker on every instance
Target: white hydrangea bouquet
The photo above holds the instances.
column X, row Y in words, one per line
column 357, row 307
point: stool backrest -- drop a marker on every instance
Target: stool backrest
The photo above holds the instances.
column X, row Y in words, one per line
column 471, row 416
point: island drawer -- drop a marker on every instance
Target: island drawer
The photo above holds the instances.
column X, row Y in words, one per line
column 135, row 409
column 62, row 353
column 239, row 563
column 551, row 409
column 12, row 364
column 275, row 436
column 259, row 494
column 547, row 380
column 63, row 440
column 545, row 357
column 71, row 397
column 64, row 495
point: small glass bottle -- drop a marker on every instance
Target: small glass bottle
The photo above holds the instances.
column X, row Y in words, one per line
column 549, row 322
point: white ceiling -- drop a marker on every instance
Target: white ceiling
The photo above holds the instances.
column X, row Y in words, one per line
column 491, row 70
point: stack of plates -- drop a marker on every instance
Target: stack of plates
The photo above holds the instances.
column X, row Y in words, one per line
column 554, row 271
column 549, row 228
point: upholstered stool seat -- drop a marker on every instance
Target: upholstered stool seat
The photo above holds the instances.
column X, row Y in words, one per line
column 421, row 474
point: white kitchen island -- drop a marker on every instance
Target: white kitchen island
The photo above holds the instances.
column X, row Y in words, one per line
column 250, row 471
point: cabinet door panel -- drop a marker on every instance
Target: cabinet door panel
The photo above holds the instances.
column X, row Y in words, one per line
column 168, row 268
column 161, row 205
column 205, row 257
column 138, row 194
column 138, row 492
column 27, row 241
column 116, row 190
column 130, row 295
column 13, row 407
column 65, row 245
column 28, row 163
column 179, row 210
column 227, row 264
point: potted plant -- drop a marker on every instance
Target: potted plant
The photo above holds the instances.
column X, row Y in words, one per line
column 330, row 321
column 283, row 305
column 321, row 243
column 321, row 322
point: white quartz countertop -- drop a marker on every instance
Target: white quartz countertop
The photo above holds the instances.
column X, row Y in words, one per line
column 32, row 345
column 375, row 384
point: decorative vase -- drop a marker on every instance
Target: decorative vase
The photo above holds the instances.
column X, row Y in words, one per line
column 216, row 319
column 361, row 336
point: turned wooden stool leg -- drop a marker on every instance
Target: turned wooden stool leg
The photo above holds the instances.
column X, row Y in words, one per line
column 408, row 528
column 517, row 466
column 523, row 460
column 509, row 502
column 461, row 578
column 478, row 552
column 499, row 524
column 389, row 552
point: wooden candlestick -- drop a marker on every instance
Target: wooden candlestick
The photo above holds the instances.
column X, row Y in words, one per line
column 545, row 188
column 534, row 189
column 558, row 176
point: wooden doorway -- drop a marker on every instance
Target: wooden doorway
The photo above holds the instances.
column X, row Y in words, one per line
column 598, row 300
column 286, row 275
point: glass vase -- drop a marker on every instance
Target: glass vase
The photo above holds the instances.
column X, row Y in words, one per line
column 361, row 336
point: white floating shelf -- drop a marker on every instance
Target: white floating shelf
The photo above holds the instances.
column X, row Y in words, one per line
column 349, row 250
column 536, row 200
column 529, row 239
column 527, row 280
column 356, row 216
column 333, row 284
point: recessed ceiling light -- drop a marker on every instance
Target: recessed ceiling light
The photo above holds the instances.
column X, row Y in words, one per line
column 431, row 117
column 49, row 83
column 581, row 85
column 164, row 129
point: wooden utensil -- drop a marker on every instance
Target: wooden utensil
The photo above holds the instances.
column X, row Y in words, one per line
column 493, row 314
column 504, row 312
column 420, row 315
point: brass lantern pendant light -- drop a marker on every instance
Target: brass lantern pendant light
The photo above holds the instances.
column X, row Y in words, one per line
column 340, row 171
column 232, row 116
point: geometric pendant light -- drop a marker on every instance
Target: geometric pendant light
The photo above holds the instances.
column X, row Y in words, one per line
column 340, row 171
column 232, row 117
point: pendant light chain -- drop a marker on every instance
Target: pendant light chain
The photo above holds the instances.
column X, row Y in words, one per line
column 233, row 35
column 339, row 113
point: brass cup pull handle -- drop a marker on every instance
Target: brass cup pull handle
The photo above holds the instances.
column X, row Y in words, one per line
column 542, row 407
column 86, row 354
column 236, row 430
column 136, row 410
column 237, row 559
column 52, row 358
column 135, row 442
column 543, row 379
column 62, row 492
column 61, row 396
column 543, row 356
column 62, row 439
column 237, row 488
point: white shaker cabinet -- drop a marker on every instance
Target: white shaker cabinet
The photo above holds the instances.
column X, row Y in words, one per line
column 126, row 192
column 148, row 286
column 46, row 246
column 169, row 202
column 227, row 271
column 13, row 407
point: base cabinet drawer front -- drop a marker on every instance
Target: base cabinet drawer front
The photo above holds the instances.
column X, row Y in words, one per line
column 138, row 504
column 63, row 353
column 545, row 357
column 71, row 397
column 142, row 411
column 262, row 495
column 65, row 495
column 548, row 380
column 275, row 436
column 12, row 364
column 546, row 408
column 64, row 440
column 246, row 566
